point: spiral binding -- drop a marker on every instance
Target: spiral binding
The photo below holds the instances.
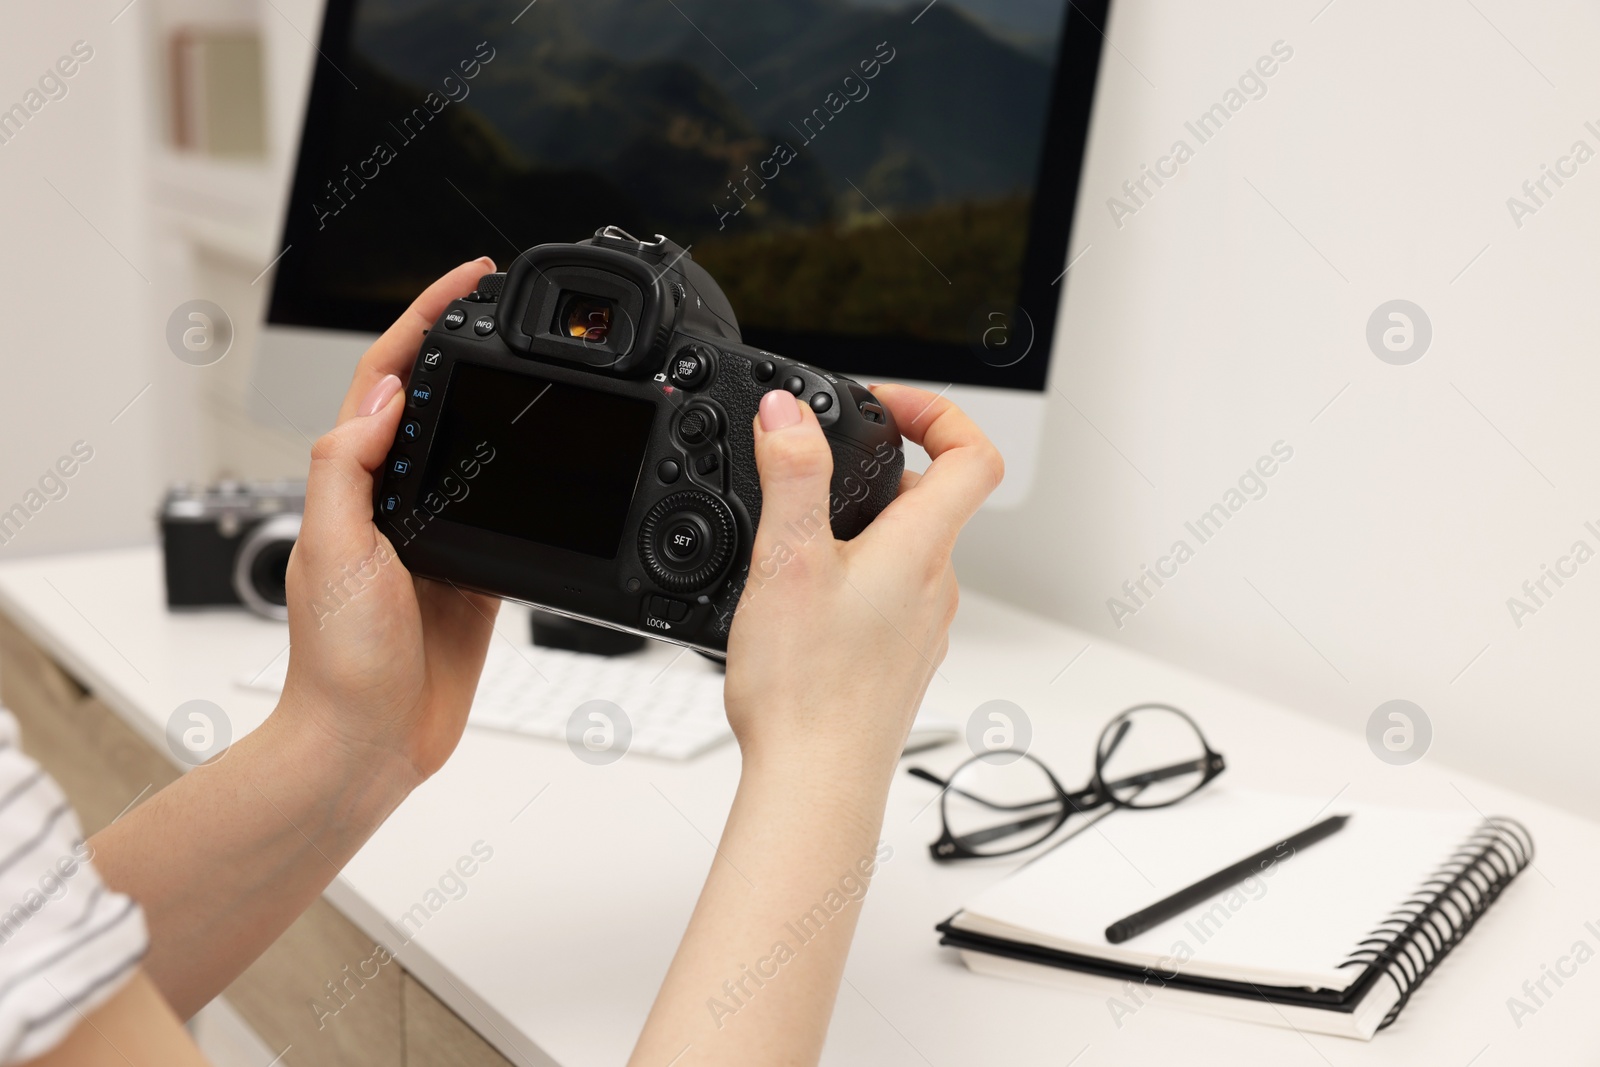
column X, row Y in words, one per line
column 1412, row 941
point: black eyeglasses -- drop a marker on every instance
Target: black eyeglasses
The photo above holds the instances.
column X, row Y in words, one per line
column 1005, row 801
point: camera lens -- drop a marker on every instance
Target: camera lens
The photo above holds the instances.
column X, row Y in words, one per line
column 260, row 571
column 587, row 318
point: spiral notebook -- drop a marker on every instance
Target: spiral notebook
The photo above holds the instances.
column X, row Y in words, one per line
column 1334, row 939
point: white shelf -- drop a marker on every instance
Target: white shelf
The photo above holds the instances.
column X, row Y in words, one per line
column 222, row 206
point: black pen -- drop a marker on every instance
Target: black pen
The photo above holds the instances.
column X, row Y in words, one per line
column 1208, row 887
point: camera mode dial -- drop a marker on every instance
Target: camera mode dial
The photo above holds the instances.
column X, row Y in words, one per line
column 686, row 541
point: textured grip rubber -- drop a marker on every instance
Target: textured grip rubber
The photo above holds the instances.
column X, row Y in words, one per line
column 864, row 481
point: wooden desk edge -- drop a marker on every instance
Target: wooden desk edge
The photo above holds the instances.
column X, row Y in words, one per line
column 324, row 987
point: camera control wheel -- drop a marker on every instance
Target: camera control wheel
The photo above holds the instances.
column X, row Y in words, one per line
column 686, row 541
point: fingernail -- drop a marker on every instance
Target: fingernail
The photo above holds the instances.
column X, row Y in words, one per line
column 779, row 410
column 487, row 262
column 379, row 396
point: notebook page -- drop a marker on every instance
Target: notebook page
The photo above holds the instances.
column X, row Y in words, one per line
column 1290, row 926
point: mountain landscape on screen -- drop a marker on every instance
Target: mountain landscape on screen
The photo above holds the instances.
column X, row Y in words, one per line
column 748, row 129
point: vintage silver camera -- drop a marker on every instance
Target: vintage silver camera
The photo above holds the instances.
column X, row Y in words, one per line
column 229, row 544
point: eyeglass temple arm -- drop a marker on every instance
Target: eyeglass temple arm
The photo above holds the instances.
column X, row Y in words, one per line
column 1116, row 739
column 995, row 833
column 1084, row 799
column 927, row 776
column 1209, row 762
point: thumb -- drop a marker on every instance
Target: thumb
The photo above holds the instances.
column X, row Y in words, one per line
column 796, row 467
column 339, row 487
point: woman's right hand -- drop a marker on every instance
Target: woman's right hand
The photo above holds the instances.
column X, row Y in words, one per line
column 835, row 642
column 832, row 648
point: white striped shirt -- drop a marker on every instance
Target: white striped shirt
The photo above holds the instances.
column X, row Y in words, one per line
column 67, row 943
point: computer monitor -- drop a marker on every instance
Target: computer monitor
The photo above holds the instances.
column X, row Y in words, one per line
column 883, row 189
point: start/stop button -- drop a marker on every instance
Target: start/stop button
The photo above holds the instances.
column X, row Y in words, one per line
column 690, row 367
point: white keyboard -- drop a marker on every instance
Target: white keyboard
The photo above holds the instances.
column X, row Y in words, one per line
column 673, row 706
column 672, row 698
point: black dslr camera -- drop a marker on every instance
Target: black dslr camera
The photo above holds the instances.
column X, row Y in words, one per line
column 577, row 435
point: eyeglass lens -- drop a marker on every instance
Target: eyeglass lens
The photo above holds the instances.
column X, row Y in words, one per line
column 1151, row 756
column 1001, row 802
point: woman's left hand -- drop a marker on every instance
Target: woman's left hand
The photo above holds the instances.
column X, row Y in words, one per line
column 383, row 663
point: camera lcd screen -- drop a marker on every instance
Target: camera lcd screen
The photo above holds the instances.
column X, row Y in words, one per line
column 539, row 460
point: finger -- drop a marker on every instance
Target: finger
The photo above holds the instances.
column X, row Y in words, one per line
column 394, row 352
column 966, row 466
column 796, row 467
column 908, row 482
column 339, row 487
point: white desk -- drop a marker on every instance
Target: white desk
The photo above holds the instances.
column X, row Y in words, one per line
column 555, row 951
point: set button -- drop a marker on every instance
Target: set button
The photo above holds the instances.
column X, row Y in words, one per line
column 681, row 542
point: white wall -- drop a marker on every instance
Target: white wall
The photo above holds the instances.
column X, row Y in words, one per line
column 74, row 288
column 1232, row 307
column 87, row 298
column 1197, row 334
column 219, row 226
